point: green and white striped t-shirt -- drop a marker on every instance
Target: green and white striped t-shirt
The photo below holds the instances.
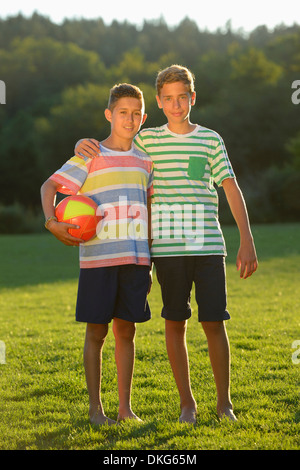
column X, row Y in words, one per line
column 185, row 201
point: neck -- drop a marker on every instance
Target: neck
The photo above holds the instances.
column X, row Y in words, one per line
column 181, row 128
column 118, row 145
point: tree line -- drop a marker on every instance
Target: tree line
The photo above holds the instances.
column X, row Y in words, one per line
column 57, row 79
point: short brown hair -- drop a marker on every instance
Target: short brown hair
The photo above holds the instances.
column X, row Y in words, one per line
column 124, row 90
column 175, row 73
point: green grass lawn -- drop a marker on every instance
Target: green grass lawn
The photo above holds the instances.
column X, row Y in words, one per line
column 43, row 397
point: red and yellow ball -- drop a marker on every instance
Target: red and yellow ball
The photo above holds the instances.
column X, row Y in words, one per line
column 79, row 210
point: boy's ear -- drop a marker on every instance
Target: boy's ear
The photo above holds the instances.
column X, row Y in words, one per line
column 158, row 102
column 193, row 98
column 144, row 118
column 108, row 114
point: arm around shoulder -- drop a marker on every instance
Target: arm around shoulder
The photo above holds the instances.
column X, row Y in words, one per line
column 246, row 258
column 87, row 148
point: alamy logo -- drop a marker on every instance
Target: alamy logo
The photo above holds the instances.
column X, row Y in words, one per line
column 296, row 354
column 2, row 352
column 123, row 220
column 296, row 95
column 2, row 92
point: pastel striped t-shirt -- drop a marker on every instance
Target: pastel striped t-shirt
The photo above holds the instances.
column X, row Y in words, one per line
column 119, row 182
column 185, row 200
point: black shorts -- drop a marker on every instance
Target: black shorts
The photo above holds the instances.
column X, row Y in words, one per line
column 113, row 292
column 176, row 275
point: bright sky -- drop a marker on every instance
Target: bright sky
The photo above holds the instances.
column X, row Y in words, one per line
column 210, row 14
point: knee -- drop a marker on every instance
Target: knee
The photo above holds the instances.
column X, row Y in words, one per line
column 213, row 327
column 176, row 328
column 96, row 333
column 124, row 330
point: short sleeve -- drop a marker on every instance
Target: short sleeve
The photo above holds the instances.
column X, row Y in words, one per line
column 220, row 164
column 72, row 175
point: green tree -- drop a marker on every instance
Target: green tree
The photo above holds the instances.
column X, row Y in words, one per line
column 253, row 68
column 20, row 168
column 79, row 114
column 35, row 68
column 133, row 68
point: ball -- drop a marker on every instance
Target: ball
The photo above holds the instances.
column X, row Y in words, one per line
column 79, row 210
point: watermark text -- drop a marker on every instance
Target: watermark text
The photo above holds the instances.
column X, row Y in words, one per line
column 2, row 92
column 2, row 353
column 296, row 354
column 296, row 94
column 123, row 221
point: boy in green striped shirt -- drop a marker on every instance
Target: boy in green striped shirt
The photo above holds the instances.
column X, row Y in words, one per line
column 188, row 246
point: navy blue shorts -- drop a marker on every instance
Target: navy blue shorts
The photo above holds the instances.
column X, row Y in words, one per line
column 176, row 275
column 113, row 292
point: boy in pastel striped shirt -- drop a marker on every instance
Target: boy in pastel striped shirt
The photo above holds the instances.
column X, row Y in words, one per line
column 115, row 275
column 188, row 246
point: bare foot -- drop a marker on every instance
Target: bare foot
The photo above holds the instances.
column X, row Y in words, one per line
column 128, row 415
column 227, row 413
column 98, row 418
column 188, row 415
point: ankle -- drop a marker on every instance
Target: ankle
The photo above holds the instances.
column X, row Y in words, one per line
column 125, row 412
column 224, row 405
column 226, row 411
column 96, row 410
column 188, row 404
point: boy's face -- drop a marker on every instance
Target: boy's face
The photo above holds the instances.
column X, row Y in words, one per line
column 126, row 117
column 176, row 102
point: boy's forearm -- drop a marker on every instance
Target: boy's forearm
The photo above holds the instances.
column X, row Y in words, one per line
column 48, row 197
column 238, row 208
column 246, row 261
column 58, row 229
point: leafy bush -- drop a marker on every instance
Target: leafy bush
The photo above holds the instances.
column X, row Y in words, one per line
column 15, row 219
